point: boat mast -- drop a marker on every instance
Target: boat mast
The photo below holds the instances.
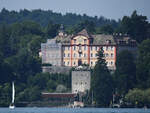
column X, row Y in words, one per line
column 13, row 92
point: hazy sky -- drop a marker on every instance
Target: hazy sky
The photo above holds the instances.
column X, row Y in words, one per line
column 113, row 9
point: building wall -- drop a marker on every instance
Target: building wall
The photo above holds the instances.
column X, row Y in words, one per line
column 80, row 81
column 51, row 53
column 56, row 69
column 81, row 49
column 71, row 53
column 88, row 54
column 110, row 55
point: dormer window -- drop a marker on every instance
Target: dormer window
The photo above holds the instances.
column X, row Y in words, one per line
column 74, row 41
column 108, row 41
column 85, row 41
column 122, row 42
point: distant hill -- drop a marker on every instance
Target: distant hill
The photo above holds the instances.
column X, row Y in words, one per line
column 44, row 17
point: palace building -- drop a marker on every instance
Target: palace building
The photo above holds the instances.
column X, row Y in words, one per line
column 82, row 48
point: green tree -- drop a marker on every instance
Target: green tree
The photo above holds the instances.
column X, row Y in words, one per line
column 4, row 41
column 52, row 29
column 106, row 29
column 34, row 45
column 136, row 26
column 31, row 27
column 23, row 65
column 143, row 64
column 125, row 74
column 101, row 82
column 88, row 25
column 138, row 97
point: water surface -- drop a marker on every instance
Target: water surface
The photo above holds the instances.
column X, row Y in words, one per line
column 74, row 110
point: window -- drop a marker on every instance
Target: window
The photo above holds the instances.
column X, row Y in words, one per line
column 74, row 63
column 96, row 48
column 74, row 48
column 84, row 47
column 68, row 54
column 84, row 54
column 95, row 54
column 91, row 48
column 106, row 48
column 68, row 63
column 64, row 63
column 64, row 54
column 107, row 63
column 74, row 41
column 112, row 55
column 74, row 55
column 111, row 48
column 111, row 62
column 68, row 48
column 79, row 55
column 85, row 41
column 65, row 48
column 91, row 54
column 106, row 55
column 91, row 63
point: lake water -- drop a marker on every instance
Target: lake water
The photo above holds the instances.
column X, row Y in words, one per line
column 74, row 110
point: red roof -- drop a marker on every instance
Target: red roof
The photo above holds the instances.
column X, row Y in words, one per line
column 58, row 95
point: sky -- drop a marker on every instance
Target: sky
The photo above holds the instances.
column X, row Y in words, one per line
column 111, row 9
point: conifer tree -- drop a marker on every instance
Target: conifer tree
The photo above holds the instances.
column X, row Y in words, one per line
column 101, row 82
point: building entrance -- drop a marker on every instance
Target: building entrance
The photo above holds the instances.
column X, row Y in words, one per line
column 79, row 62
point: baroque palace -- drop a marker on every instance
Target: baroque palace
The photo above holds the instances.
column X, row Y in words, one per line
column 81, row 48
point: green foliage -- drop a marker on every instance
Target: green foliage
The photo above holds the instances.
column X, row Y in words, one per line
column 52, row 30
column 143, row 64
column 106, row 29
column 101, row 82
column 49, row 82
column 5, row 97
column 138, row 98
column 125, row 74
column 88, row 25
column 61, row 88
column 136, row 26
column 29, row 94
column 43, row 17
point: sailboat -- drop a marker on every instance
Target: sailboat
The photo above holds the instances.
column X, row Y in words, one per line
column 12, row 105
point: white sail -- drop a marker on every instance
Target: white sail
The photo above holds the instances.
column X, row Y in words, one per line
column 13, row 93
column 12, row 106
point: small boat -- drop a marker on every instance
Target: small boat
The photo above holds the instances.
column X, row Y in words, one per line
column 12, row 105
